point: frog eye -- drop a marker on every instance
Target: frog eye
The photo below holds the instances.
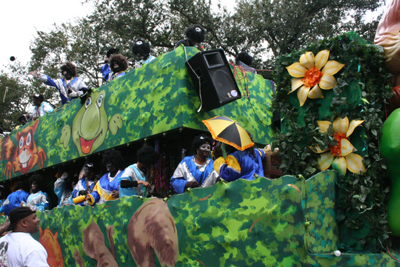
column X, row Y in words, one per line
column 100, row 100
column 21, row 142
column 88, row 102
column 197, row 29
column 28, row 139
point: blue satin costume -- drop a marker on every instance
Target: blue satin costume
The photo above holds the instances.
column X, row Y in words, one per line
column 240, row 164
column 187, row 171
column 14, row 201
column 104, row 187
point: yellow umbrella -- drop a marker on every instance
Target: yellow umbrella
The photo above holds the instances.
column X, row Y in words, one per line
column 228, row 131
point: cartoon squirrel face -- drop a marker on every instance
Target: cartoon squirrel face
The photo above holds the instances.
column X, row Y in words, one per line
column 23, row 156
column 26, row 148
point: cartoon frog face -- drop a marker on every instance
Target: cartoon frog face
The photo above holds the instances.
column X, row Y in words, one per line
column 90, row 125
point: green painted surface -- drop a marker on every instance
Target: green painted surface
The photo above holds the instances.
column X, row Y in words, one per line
column 243, row 223
column 151, row 100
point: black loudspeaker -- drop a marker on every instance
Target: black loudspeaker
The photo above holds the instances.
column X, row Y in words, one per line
column 213, row 79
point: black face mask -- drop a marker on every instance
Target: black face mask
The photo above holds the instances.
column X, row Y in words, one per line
column 116, row 69
column 34, row 187
column 110, row 167
column 204, row 150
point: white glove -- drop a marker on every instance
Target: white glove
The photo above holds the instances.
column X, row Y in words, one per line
column 268, row 150
column 35, row 73
column 73, row 94
column 137, row 65
column 64, row 175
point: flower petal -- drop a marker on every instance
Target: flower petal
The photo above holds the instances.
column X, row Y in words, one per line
column 325, row 161
column 315, row 93
column 340, row 165
column 307, row 60
column 354, row 163
column 321, row 58
column 346, row 147
column 332, row 67
column 341, row 125
column 302, row 94
column 296, row 70
column 296, row 83
column 327, row 82
column 323, row 126
column 317, row 149
column 353, row 125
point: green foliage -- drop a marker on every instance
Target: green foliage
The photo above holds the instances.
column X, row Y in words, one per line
column 12, row 102
column 362, row 87
column 15, row 95
column 290, row 25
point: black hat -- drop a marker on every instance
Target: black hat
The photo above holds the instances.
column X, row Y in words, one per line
column 89, row 166
column 18, row 214
column 38, row 96
column 112, row 51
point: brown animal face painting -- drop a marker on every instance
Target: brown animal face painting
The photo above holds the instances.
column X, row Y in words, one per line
column 23, row 157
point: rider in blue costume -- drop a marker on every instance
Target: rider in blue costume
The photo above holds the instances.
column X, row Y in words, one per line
column 63, row 189
column 15, row 199
column 107, row 188
column 197, row 170
column 85, row 184
column 135, row 174
column 37, row 200
column 69, row 87
column 141, row 50
column 2, row 196
column 106, row 70
column 239, row 164
column 115, row 66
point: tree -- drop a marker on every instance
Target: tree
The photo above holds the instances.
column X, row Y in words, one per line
column 288, row 25
column 264, row 28
column 14, row 99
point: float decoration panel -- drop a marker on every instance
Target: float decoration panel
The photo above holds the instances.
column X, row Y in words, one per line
column 153, row 99
column 244, row 223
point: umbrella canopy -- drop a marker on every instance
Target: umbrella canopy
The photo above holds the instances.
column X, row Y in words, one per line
column 228, row 131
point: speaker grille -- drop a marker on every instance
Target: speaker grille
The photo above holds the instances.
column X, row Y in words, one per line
column 226, row 87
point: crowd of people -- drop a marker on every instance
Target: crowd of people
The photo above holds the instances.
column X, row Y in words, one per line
column 198, row 170
column 88, row 188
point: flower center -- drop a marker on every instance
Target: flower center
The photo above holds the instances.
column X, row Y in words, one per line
column 337, row 150
column 312, row 77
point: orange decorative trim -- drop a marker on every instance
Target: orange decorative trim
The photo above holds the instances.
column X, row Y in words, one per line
column 201, row 262
column 251, row 228
column 295, row 187
column 205, row 198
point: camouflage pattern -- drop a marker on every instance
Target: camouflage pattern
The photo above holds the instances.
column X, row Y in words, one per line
column 282, row 222
column 153, row 99
column 359, row 94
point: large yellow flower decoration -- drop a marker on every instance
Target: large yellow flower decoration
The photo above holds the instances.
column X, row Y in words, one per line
column 311, row 78
column 341, row 156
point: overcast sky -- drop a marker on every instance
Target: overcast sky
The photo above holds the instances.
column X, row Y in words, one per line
column 20, row 19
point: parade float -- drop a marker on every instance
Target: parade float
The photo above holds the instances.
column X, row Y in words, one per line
column 328, row 209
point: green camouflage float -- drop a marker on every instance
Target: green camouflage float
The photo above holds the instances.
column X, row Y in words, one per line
column 282, row 222
column 153, row 99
